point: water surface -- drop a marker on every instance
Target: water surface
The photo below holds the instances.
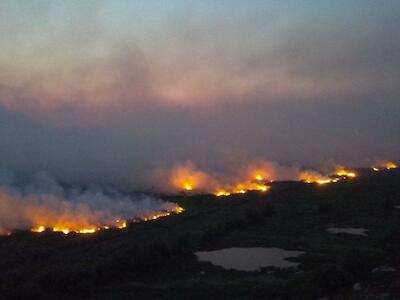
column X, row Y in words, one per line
column 249, row 259
column 348, row 230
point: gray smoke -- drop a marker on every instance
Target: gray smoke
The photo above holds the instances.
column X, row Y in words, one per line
column 44, row 202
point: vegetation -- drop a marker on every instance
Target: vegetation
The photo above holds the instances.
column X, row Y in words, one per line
column 155, row 259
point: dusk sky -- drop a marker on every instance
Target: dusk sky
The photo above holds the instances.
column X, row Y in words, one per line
column 104, row 91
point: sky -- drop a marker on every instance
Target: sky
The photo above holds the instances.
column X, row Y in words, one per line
column 104, row 91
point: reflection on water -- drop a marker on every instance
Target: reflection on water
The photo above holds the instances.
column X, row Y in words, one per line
column 249, row 259
column 349, row 230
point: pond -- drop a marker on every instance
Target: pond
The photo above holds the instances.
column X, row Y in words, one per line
column 249, row 259
column 348, row 230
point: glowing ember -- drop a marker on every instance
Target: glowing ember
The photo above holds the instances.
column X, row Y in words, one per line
column 375, row 169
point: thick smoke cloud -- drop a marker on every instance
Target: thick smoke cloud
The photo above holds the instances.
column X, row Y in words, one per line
column 96, row 100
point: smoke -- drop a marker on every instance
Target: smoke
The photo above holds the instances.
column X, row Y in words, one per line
column 90, row 98
column 238, row 177
column 42, row 202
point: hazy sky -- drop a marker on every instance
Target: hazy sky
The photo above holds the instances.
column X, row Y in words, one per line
column 105, row 90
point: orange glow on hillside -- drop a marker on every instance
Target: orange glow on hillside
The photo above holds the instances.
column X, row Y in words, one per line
column 345, row 173
column 314, row 177
column 243, row 188
column 220, row 193
column 38, row 229
column 388, row 165
column 391, row 165
column 70, row 227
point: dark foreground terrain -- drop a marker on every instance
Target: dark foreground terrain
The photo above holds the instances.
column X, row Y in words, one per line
column 155, row 260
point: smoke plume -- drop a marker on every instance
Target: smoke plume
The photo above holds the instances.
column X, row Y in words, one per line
column 43, row 203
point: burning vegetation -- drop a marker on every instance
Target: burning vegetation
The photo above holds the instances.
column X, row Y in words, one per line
column 257, row 176
column 253, row 178
column 85, row 212
column 345, row 173
column 72, row 227
column 76, row 212
column 384, row 165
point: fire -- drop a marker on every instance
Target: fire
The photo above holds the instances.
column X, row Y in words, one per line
column 222, row 193
column 259, row 177
column 157, row 216
column 314, row 177
column 83, row 212
column 319, row 181
column 243, row 188
column 388, row 165
column 324, row 181
column 187, row 178
column 240, row 192
column 63, row 230
column 88, row 230
column 188, row 187
column 255, row 176
column 38, row 229
column 262, row 188
column 345, row 173
column 121, row 224
column 391, row 165
column 118, row 223
column 67, row 230
column 179, row 210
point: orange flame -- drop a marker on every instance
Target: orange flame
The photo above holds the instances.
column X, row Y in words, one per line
column 187, row 178
column 345, row 173
column 242, row 188
column 120, row 224
column 388, row 165
column 391, row 165
column 314, row 177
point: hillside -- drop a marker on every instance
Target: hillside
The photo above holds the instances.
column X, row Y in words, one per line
column 156, row 259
